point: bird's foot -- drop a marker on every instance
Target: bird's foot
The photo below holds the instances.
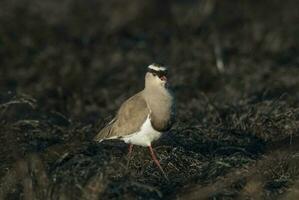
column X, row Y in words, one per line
column 129, row 156
column 157, row 162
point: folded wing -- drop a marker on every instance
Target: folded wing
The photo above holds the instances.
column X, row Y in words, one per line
column 129, row 119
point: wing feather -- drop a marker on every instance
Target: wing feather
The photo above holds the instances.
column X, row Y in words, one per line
column 129, row 119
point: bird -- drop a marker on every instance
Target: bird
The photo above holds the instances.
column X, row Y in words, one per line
column 145, row 116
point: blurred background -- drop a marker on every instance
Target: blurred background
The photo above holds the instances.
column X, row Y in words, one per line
column 67, row 65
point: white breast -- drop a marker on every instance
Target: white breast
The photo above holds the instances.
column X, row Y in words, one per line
column 145, row 136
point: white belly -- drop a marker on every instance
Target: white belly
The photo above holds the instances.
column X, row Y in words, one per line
column 145, row 136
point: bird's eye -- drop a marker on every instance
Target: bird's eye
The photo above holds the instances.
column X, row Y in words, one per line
column 154, row 74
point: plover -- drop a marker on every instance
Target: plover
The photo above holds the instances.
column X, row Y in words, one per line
column 143, row 118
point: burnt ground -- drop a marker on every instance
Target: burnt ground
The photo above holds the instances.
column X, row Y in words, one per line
column 66, row 66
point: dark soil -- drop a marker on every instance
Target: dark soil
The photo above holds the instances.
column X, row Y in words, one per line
column 67, row 65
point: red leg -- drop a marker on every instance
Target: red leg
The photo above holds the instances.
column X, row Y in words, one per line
column 157, row 161
column 130, row 149
column 129, row 154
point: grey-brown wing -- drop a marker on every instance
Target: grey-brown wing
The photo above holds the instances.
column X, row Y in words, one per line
column 105, row 132
column 128, row 120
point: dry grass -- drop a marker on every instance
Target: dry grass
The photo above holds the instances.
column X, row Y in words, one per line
column 66, row 66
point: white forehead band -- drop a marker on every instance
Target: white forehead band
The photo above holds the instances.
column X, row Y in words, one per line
column 157, row 68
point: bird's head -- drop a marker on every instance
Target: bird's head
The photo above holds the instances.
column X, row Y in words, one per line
column 156, row 75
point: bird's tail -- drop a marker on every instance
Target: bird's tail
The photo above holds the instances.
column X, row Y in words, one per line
column 104, row 134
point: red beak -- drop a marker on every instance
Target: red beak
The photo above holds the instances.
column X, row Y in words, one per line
column 163, row 78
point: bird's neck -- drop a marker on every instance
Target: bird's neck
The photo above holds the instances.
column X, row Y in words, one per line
column 155, row 93
column 158, row 99
column 159, row 102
